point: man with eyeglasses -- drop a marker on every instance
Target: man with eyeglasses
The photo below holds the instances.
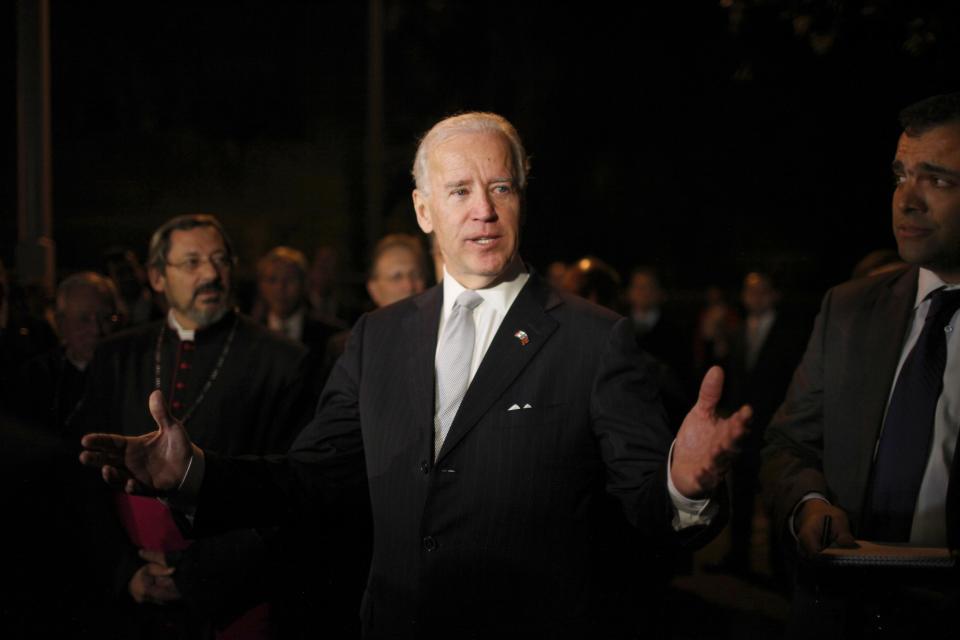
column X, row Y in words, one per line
column 236, row 386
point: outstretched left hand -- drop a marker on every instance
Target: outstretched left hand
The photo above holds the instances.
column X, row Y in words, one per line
column 707, row 444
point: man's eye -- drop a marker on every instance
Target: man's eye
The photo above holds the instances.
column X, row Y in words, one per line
column 193, row 263
column 899, row 179
column 502, row 188
column 459, row 191
column 942, row 183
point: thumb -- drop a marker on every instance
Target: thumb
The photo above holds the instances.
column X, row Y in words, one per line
column 710, row 389
column 158, row 409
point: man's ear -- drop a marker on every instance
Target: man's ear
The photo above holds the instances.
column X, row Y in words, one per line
column 423, row 216
column 374, row 292
column 157, row 281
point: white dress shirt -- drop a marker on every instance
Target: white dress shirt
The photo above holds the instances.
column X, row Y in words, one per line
column 488, row 316
column 930, row 515
column 291, row 327
column 929, row 518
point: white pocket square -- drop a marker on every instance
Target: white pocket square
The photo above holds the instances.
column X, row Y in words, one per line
column 515, row 407
column 527, row 406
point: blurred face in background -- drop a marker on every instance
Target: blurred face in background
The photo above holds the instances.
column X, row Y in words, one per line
column 644, row 293
column 84, row 317
column 758, row 295
column 397, row 274
column 282, row 287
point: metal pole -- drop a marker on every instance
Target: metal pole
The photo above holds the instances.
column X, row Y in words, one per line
column 373, row 217
column 35, row 246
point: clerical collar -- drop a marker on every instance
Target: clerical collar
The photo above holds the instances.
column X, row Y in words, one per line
column 927, row 283
column 499, row 297
column 186, row 335
column 190, row 335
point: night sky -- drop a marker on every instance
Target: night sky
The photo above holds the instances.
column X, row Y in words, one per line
column 680, row 137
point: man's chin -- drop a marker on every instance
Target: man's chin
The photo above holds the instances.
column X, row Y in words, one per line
column 207, row 317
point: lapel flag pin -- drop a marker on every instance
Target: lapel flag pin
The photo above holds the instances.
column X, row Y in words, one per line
column 522, row 337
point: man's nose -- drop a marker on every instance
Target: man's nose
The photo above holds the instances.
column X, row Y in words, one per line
column 486, row 209
column 909, row 199
column 208, row 271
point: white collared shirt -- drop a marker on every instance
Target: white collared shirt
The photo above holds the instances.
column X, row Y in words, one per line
column 758, row 328
column 185, row 334
column 487, row 316
column 291, row 327
column 929, row 518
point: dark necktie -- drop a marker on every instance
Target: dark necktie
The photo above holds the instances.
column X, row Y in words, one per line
column 908, row 428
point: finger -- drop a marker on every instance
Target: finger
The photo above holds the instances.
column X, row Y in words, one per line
column 158, row 409
column 742, row 417
column 99, row 459
column 114, row 476
column 104, row 442
column 711, row 389
column 158, row 570
column 156, row 557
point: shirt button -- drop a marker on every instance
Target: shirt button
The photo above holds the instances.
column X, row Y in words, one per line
column 429, row 543
column 184, row 365
column 188, row 346
column 424, row 466
column 180, row 385
column 176, row 404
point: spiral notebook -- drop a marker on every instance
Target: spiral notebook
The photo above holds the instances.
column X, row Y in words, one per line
column 874, row 554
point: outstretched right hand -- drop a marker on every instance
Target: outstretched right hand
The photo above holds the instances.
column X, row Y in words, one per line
column 154, row 463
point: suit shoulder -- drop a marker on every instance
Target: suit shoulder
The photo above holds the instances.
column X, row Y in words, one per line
column 128, row 339
column 276, row 345
column 855, row 293
column 572, row 308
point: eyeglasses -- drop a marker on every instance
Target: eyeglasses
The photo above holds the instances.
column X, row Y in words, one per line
column 192, row 264
column 107, row 322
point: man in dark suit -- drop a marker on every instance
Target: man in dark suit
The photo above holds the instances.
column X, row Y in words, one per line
column 883, row 348
column 764, row 352
column 492, row 420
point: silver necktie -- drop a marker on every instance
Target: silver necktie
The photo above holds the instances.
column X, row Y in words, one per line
column 454, row 357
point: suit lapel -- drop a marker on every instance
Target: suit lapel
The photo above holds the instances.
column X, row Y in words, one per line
column 507, row 356
column 885, row 326
column 420, row 333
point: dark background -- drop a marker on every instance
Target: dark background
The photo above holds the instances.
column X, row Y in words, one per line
column 703, row 137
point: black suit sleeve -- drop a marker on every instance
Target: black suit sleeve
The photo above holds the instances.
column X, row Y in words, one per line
column 630, row 425
column 793, row 458
column 323, row 470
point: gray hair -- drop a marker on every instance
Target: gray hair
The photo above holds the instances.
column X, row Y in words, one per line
column 470, row 122
column 103, row 286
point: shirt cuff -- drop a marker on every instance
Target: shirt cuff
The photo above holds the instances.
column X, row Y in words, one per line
column 688, row 512
column 813, row 495
column 184, row 499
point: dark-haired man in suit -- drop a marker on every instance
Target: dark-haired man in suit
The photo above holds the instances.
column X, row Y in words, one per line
column 493, row 421
column 868, row 430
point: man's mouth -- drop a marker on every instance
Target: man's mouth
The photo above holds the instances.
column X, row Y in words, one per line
column 209, row 292
column 912, row 231
column 484, row 240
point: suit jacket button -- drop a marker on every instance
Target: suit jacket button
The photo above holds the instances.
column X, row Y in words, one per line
column 424, row 466
column 429, row 543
